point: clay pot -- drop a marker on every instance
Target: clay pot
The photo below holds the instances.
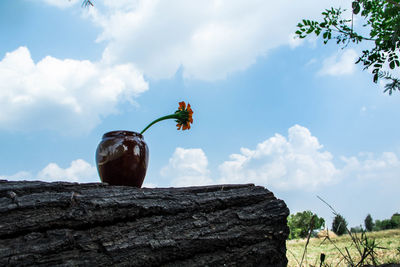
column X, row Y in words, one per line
column 122, row 158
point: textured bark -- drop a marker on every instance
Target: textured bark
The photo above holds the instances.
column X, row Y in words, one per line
column 67, row 224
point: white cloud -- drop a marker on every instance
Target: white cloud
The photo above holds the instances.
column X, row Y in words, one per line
column 296, row 162
column 209, row 39
column 66, row 95
column 293, row 163
column 187, row 167
column 367, row 166
column 79, row 171
column 22, row 175
column 61, row 3
column 340, row 63
column 295, row 41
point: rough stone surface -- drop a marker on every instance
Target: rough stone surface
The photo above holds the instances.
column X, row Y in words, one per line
column 69, row 224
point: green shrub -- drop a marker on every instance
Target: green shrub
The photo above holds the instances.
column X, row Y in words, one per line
column 384, row 225
column 300, row 223
column 357, row 229
column 395, row 220
column 368, row 222
column 339, row 225
column 392, row 223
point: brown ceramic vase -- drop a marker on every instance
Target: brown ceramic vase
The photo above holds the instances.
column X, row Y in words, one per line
column 122, row 158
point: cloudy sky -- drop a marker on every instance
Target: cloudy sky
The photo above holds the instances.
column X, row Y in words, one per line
column 297, row 117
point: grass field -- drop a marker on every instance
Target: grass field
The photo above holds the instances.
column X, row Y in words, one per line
column 389, row 239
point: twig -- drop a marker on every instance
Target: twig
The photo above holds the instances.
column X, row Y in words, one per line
column 87, row 3
column 312, row 222
column 333, row 210
column 294, row 256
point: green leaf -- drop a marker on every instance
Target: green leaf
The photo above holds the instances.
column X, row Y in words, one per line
column 375, row 77
column 392, row 65
column 356, row 7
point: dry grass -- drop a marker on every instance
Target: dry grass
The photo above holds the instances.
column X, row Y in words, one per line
column 389, row 239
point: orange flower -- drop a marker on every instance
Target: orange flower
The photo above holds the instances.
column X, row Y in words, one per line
column 185, row 116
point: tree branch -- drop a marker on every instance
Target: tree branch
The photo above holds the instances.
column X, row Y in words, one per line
column 393, row 3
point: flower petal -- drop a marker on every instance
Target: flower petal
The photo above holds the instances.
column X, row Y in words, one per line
column 182, row 105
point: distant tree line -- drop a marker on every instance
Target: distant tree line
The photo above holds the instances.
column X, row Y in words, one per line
column 303, row 223
column 392, row 223
column 378, row 225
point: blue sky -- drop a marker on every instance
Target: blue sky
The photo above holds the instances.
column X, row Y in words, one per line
column 299, row 118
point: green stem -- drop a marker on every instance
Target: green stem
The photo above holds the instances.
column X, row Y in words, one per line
column 172, row 116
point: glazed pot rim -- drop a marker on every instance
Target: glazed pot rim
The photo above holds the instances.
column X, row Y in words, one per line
column 121, row 133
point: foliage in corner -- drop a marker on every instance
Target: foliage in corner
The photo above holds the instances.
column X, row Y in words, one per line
column 381, row 18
